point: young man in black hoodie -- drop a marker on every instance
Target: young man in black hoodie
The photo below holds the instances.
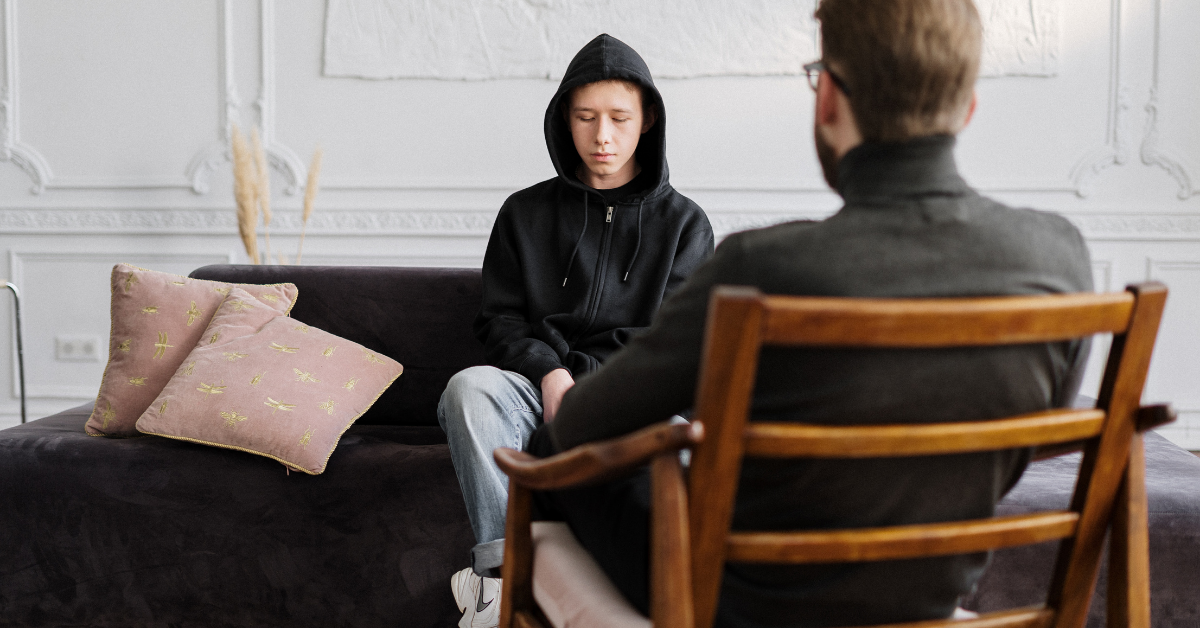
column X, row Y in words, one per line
column 575, row 266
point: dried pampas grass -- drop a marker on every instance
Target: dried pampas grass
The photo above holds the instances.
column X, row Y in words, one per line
column 264, row 188
column 252, row 191
column 245, row 184
column 310, row 195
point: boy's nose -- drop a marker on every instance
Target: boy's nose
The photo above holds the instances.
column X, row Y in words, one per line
column 603, row 134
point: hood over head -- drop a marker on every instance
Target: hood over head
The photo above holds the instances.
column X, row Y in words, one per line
column 605, row 58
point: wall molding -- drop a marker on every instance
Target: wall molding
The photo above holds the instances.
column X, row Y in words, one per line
column 279, row 156
column 26, row 157
column 1157, row 264
column 282, row 158
column 478, row 223
column 224, row 222
column 195, row 177
column 1086, row 172
column 200, row 170
column 1152, row 154
column 1131, row 226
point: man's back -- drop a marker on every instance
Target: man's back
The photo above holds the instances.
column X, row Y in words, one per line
column 905, row 232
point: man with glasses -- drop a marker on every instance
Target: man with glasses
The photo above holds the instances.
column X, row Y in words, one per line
column 894, row 86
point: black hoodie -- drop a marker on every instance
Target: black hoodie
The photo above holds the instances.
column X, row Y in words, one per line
column 567, row 277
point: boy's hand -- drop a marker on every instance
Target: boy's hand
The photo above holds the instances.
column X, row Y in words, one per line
column 555, row 384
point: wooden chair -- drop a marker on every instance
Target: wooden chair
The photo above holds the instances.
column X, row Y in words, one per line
column 690, row 518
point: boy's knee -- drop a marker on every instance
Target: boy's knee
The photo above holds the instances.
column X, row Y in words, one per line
column 469, row 389
column 472, row 382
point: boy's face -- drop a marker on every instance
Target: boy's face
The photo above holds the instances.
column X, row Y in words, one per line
column 606, row 122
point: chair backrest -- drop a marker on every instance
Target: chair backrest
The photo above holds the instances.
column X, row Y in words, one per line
column 742, row 320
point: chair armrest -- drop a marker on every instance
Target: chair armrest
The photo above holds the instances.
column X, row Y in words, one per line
column 597, row 462
column 1146, row 419
column 1150, row 417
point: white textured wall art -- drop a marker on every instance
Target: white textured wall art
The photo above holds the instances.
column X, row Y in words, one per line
column 510, row 39
column 503, row 39
column 1020, row 37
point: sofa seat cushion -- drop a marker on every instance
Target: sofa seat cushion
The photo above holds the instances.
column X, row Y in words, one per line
column 154, row 532
column 1020, row 576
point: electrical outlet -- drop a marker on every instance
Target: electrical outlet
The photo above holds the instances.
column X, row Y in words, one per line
column 76, row 348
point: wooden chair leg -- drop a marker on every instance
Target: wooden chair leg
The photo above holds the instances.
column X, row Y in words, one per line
column 1129, row 547
column 670, row 546
column 516, row 596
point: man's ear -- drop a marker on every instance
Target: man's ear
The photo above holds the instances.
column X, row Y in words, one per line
column 827, row 104
column 649, row 118
column 970, row 109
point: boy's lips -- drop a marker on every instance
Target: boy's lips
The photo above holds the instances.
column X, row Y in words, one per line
column 603, row 156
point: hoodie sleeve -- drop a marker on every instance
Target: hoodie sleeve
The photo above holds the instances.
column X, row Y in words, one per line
column 695, row 248
column 654, row 376
column 501, row 325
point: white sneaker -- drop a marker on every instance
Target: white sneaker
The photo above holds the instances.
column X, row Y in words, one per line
column 478, row 598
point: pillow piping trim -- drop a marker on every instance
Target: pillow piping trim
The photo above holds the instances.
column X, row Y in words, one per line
column 104, row 376
column 291, row 465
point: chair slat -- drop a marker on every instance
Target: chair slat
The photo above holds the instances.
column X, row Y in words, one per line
column 1029, row 617
column 917, row 323
column 785, row 440
column 870, row 544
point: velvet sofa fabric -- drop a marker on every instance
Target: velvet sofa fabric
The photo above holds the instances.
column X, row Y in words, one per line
column 1020, row 576
column 151, row 532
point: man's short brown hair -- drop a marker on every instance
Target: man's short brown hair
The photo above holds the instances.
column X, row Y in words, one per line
column 910, row 65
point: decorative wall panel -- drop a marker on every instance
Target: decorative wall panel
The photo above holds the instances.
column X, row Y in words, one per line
column 505, row 39
column 131, row 115
column 1172, row 140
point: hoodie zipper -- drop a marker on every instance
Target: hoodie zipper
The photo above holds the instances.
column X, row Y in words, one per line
column 598, row 281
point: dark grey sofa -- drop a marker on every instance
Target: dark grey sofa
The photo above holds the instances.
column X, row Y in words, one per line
column 155, row 532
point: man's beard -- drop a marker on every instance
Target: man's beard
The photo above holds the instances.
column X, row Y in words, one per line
column 829, row 160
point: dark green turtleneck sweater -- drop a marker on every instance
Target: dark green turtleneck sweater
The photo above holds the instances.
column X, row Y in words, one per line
column 910, row 227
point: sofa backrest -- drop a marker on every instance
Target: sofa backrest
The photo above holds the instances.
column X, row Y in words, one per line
column 420, row 317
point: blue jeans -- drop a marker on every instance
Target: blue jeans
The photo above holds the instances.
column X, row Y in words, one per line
column 484, row 408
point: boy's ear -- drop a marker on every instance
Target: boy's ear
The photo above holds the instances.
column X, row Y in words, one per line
column 649, row 118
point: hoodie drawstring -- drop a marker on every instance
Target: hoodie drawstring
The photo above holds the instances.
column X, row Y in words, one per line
column 637, row 247
column 571, row 262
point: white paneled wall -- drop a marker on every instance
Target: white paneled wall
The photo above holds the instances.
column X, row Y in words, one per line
column 113, row 147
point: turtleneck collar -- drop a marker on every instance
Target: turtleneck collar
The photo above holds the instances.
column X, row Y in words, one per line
column 916, row 167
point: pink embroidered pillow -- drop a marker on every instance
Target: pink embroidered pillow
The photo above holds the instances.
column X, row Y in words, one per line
column 265, row 383
column 156, row 320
